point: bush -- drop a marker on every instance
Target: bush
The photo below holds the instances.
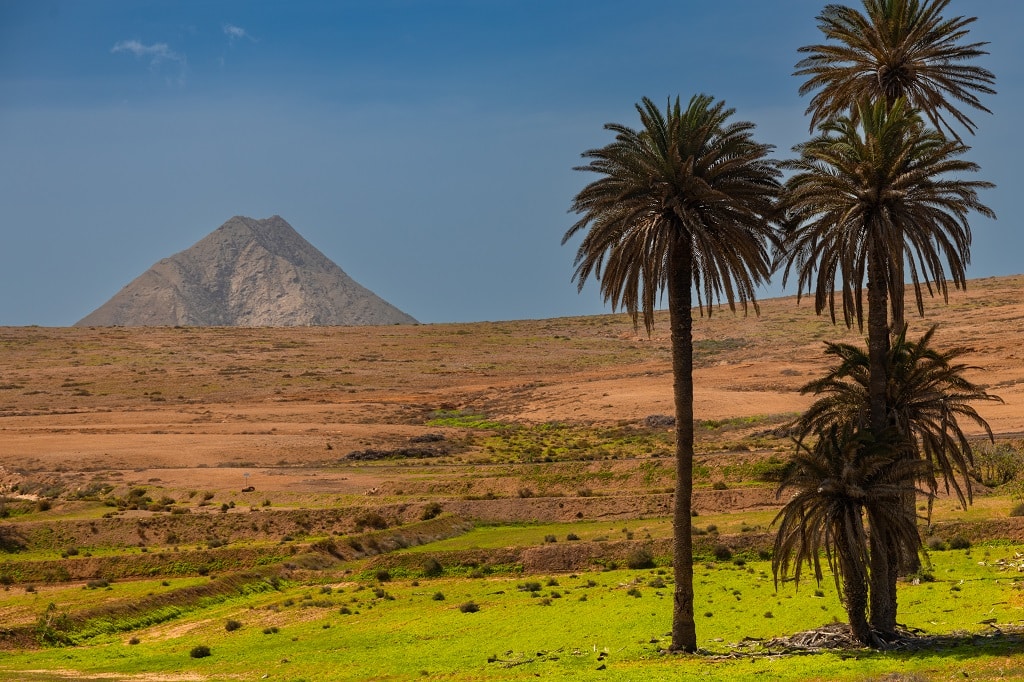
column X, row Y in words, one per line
column 721, row 552
column 200, row 651
column 438, row 596
column 640, row 558
column 432, row 568
column 383, row 576
column 97, row 584
column 469, row 607
column 370, row 519
column 1018, row 509
column 272, row 630
column 936, row 544
column 232, row 625
column 431, row 511
column 959, row 542
column 572, row 537
column 719, row 485
column 550, row 538
column 134, row 640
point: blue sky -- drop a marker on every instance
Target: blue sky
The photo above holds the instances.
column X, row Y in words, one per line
column 425, row 146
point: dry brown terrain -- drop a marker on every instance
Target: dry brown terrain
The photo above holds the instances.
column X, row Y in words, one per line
column 218, row 408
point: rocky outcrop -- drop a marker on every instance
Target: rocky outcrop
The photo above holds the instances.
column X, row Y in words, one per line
column 246, row 273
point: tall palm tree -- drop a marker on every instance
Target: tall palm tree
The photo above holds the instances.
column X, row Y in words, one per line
column 927, row 394
column 682, row 202
column 895, row 49
column 865, row 191
column 848, row 476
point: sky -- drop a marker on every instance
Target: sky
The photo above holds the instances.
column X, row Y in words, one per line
column 425, row 146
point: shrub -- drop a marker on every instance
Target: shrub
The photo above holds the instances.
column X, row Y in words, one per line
column 657, row 583
column 936, row 544
column 1018, row 509
column 272, row 630
column 438, row 596
column 525, row 492
column 97, row 584
column 370, row 519
column 552, row 582
column 640, row 558
column 959, row 542
column 432, row 510
column 382, row 575
column 133, row 641
column 232, row 625
column 572, row 537
column 531, row 586
column 432, row 568
column 633, row 592
column 200, row 651
column 469, row 607
column 550, row 538
column 721, row 552
column 719, row 485
column 584, row 492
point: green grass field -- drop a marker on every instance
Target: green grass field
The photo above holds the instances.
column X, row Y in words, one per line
column 332, row 627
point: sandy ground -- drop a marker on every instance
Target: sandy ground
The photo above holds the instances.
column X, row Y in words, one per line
column 183, row 404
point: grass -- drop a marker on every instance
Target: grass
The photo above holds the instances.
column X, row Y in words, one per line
column 516, row 633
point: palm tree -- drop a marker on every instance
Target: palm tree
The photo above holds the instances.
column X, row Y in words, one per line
column 682, row 202
column 927, row 394
column 866, row 190
column 847, row 477
column 895, row 49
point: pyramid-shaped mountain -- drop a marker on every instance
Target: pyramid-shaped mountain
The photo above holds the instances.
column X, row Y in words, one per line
column 246, row 273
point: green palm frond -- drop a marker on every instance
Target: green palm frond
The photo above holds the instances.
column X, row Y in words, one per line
column 895, row 49
column 866, row 188
column 686, row 176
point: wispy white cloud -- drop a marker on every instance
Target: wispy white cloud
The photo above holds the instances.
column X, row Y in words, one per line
column 236, row 33
column 157, row 53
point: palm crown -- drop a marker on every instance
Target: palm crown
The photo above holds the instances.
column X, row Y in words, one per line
column 688, row 176
column 896, row 48
column 867, row 187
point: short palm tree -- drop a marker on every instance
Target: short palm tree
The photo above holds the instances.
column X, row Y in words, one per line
column 927, row 395
column 847, row 477
column 895, row 49
column 684, row 202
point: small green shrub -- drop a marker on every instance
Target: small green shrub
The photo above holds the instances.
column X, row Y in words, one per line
column 936, row 544
column 572, row 537
column 469, row 607
column 438, row 596
column 959, row 542
column 550, row 538
column 272, row 630
column 432, row 568
column 199, row 651
column 382, row 575
column 431, row 511
column 639, row 558
column 1018, row 509
column 719, row 485
column 232, row 625
column 721, row 552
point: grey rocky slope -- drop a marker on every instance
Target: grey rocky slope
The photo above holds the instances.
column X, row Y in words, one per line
column 250, row 273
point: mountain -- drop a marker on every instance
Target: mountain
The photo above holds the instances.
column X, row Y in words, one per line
column 246, row 273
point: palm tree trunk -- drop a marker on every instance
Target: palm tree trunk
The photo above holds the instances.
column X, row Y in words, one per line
column 878, row 350
column 855, row 596
column 684, row 632
column 883, row 560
